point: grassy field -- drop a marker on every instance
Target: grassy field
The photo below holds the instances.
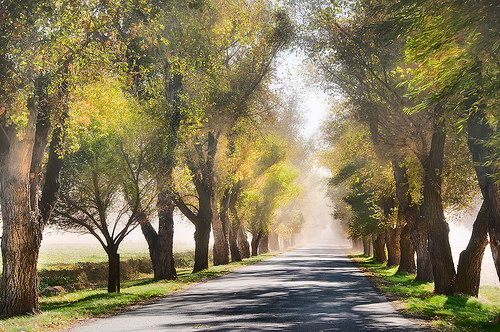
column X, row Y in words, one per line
column 54, row 254
column 68, row 308
column 445, row 313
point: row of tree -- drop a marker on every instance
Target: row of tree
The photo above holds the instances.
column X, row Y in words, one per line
column 415, row 126
column 112, row 112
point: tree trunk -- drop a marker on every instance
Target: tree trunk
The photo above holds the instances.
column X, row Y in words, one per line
column 479, row 132
column 417, row 227
column 220, row 225
column 201, row 239
column 221, row 245
column 392, row 242
column 407, row 261
column 255, row 242
column 113, row 270
column 243, row 244
column 22, row 231
column 443, row 267
column 164, row 258
column 469, row 263
column 203, row 224
column 233, row 242
column 235, row 247
column 274, row 241
column 367, row 245
column 379, row 246
column 205, row 182
column 264, row 244
column 21, row 240
column 161, row 243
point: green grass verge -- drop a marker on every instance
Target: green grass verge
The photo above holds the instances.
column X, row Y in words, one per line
column 447, row 313
column 63, row 310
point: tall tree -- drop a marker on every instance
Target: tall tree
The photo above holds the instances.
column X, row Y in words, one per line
column 449, row 49
column 106, row 191
column 43, row 46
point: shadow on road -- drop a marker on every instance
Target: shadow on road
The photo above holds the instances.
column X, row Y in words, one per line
column 315, row 288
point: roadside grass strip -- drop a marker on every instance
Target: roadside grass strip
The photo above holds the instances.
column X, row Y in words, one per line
column 62, row 311
column 445, row 313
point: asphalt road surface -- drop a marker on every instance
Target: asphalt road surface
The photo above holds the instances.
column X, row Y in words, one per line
column 315, row 288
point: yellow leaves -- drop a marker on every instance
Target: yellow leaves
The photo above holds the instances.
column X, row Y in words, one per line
column 104, row 107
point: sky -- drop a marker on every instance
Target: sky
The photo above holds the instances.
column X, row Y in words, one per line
column 292, row 78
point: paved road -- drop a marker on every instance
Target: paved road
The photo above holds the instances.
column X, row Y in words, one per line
column 315, row 288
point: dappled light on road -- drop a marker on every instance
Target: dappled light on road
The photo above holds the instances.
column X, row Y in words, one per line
column 315, row 288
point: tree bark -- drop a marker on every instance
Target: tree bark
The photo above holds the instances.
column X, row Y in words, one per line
column 221, row 230
column 367, row 245
column 407, row 261
column 22, row 231
column 443, row 268
column 470, row 260
column 479, row 132
column 417, row 227
column 201, row 239
column 203, row 224
column 234, row 225
column 379, row 246
column 21, row 240
column 264, row 244
column 221, row 244
column 243, row 244
column 113, row 269
column 161, row 243
column 393, row 244
column 256, row 237
column 392, row 232
column 233, row 242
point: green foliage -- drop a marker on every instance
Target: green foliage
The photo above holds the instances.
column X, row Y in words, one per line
column 260, row 204
column 105, row 187
column 367, row 179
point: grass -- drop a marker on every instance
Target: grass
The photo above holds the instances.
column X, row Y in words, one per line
column 64, row 310
column 448, row 313
column 54, row 254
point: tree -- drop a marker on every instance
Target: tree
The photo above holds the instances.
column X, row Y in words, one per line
column 273, row 187
column 43, row 48
column 158, row 40
column 106, row 191
column 367, row 70
column 233, row 66
column 376, row 79
column 369, row 185
column 449, row 49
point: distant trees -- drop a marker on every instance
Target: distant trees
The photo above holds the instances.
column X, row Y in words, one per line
column 407, row 104
column 260, row 203
column 234, row 65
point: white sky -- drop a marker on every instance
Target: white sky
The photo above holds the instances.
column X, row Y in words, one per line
column 292, row 78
